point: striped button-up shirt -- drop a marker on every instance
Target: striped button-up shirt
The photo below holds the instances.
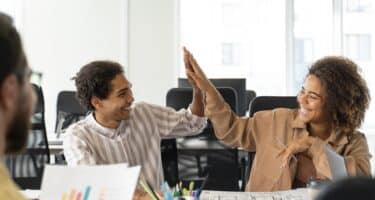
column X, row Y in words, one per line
column 136, row 141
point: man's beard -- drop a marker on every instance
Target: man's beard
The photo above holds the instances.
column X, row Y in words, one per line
column 18, row 131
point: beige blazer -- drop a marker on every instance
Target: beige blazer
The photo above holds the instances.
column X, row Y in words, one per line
column 269, row 132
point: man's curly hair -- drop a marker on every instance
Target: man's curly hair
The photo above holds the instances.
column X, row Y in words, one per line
column 94, row 79
column 348, row 96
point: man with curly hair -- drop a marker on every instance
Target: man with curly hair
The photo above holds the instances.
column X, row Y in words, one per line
column 17, row 101
column 290, row 142
column 119, row 131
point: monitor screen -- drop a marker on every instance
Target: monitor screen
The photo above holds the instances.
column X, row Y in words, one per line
column 238, row 84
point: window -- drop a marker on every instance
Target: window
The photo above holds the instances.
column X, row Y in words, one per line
column 231, row 54
column 312, row 37
column 358, row 46
column 303, row 56
column 237, row 39
column 231, row 14
column 358, row 5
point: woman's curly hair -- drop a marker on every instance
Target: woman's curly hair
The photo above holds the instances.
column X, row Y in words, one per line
column 348, row 96
column 94, row 79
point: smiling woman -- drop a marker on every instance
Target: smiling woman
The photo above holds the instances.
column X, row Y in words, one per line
column 311, row 100
column 347, row 94
column 333, row 101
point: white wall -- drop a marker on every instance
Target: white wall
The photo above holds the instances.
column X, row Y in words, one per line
column 152, row 49
column 61, row 36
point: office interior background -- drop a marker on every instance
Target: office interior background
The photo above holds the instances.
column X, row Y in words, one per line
column 271, row 43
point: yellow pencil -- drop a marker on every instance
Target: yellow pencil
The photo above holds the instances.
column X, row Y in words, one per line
column 64, row 196
column 148, row 190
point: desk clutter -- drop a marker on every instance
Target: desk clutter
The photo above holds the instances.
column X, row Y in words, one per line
column 189, row 193
column 177, row 192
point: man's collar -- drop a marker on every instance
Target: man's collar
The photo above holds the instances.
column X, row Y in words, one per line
column 108, row 132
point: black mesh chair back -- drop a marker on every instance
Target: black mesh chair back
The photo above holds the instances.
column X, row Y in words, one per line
column 267, row 103
column 250, row 95
column 178, row 98
column 68, row 110
column 218, row 169
column 271, row 102
column 27, row 168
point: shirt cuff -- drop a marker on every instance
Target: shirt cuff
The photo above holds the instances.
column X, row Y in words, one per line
column 197, row 119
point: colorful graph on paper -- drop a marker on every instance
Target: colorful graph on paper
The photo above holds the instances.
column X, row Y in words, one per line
column 109, row 182
column 76, row 194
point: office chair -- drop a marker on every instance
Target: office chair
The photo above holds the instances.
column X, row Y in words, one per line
column 219, row 168
column 349, row 189
column 68, row 111
column 238, row 84
column 266, row 103
column 250, row 95
column 169, row 160
column 27, row 168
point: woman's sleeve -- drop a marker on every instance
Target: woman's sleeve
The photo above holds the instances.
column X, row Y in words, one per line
column 172, row 123
column 230, row 128
column 356, row 156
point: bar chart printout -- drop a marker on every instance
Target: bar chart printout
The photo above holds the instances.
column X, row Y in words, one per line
column 109, row 182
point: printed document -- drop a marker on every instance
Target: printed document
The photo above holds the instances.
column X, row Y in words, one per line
column 297, row 194
column 112, row 182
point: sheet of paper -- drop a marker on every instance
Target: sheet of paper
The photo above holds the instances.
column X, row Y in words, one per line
column 31, row 194
column 298, row 194
column 112, row 182
column 336, row 163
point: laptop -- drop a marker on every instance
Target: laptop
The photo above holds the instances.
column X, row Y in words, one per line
column 336, row 163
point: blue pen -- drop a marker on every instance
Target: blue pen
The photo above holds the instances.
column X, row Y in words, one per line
column 167, row 192
column 87, row 193
column 165, row 187
column 198, row 192
column 168, row 196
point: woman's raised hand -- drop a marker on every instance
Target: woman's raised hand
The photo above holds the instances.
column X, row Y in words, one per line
column 194, row 73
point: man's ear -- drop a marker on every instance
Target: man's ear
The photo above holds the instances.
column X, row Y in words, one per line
column 9, row 92
column 95, row 102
